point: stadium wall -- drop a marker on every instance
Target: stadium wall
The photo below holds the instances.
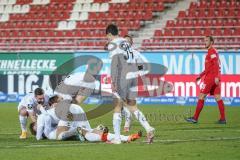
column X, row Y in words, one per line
column 20, row 73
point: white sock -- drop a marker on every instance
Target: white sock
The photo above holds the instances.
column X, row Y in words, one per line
column 93, row 137
column 117, row 118
column 23, row 123
column 128, row 116
column 67, row 134
column 111, row 137
column 143, row 121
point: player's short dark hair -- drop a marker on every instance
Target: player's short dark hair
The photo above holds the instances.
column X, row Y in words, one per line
column 31, row 128
column 211, row 38
column 38, row 91
column 130, row 37
column 113, row 29
column 53, row 99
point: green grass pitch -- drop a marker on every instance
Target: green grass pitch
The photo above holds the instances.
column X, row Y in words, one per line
column 175, row 139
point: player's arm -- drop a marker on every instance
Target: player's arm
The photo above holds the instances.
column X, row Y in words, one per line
column 202, row 74
column 141, row 61
column 42, row 109
column 215, row 67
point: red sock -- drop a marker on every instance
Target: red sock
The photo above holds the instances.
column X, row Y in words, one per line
column 198, row 109
column 221, row 109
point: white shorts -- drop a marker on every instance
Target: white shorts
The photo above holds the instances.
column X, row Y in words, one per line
column 53, row 135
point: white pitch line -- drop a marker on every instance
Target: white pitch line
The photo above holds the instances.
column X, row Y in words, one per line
column 155, row 141
column 201, row 130
column 201, row 139
column 176, row 130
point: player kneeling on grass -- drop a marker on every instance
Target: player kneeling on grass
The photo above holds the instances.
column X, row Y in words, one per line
column 72, row 128
column 99, row 134
column 211, row 82
column 49, row 125
column 65, row 130
column 28, row 107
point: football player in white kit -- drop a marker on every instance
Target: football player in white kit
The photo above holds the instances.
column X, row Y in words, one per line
column 46, row 127
column 28, row 107
column 50, row 125
column 47, row 121
column 77, row 86
column 120, row 58
column 140, row 59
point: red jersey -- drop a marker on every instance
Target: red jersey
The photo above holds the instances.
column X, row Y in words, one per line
column 212, row 65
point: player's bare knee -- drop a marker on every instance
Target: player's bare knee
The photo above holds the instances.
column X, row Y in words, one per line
column 116, row 101
column 23, row 112
column 117, row 109
column 202, row 96
column 217, row 97
column 79, row 99
column 60, row 130
column 132, row 108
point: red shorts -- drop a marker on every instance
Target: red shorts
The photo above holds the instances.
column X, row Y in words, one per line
column 210, row 88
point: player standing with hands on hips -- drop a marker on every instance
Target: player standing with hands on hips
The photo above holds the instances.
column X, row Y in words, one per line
column 211, row 82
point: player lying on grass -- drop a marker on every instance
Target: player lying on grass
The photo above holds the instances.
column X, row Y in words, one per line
column 46, row 127
column 50, row 125
column 28, row 107
column 99, row 134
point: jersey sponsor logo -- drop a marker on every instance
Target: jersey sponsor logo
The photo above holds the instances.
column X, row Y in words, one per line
column 213, row 56
column 30, row 106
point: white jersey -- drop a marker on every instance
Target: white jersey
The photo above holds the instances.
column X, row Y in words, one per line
column 77, row 79
column 139, row 59
column 47, row 124
column 53, row 115
column 29, row 101
column 76, row 109
column 121, row 46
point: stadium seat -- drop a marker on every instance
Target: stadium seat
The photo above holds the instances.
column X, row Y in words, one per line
column 217, row 18
column 85, row 20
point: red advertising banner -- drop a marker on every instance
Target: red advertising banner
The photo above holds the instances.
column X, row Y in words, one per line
column 177, row 85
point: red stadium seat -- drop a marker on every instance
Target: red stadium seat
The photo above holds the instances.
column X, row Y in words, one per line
column 181, row 14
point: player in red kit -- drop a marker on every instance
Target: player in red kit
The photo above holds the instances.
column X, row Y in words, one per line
column 211, row 82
